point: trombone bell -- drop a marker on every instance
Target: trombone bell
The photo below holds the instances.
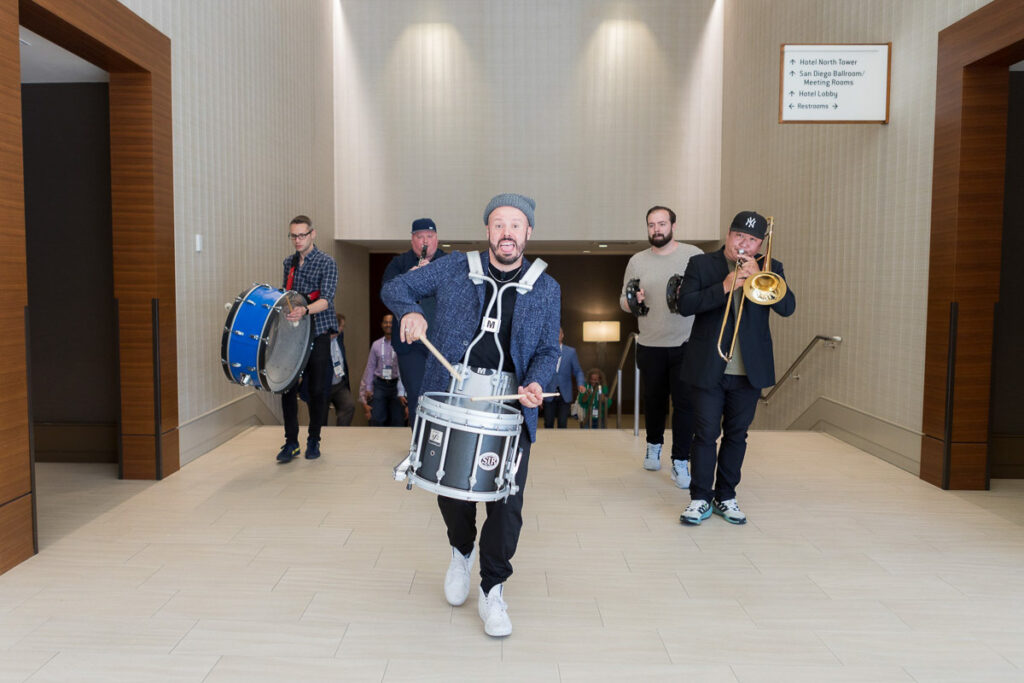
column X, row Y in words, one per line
column 764, row 288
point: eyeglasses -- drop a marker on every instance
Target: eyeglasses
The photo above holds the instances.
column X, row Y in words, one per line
column 299, row 235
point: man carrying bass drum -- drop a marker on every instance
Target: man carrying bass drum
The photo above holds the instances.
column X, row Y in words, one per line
column 313, row 274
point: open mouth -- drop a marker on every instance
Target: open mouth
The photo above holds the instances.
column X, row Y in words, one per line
column 507, row 247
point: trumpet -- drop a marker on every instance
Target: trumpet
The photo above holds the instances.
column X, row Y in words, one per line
column 763, row 288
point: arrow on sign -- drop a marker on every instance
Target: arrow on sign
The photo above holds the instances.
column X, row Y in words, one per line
column 835, row 106
column 791, row 106
column 792, row 73
column 791, row 93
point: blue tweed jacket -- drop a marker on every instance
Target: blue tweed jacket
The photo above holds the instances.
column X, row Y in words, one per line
column 460, row 305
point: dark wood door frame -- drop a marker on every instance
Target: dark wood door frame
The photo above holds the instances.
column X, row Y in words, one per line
column 138, row 58
column 972, row 89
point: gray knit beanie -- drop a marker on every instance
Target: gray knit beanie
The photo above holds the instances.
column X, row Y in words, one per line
column 516, row 201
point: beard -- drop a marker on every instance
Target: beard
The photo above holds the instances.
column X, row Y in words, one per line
column 660, row 240
column 506, row 260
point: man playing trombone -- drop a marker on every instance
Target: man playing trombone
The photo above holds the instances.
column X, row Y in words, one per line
column 726, row 377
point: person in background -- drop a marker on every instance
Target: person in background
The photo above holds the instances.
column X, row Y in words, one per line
column 594, row 401
column 341, row 392
column 381, row 389
column 568, row 376
column 412, row 358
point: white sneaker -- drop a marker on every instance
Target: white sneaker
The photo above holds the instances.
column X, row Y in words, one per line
column 729, row 510
column 456, row 581
column 696, row 512
column 494, row 612
column 652, row 461
column 681, row 473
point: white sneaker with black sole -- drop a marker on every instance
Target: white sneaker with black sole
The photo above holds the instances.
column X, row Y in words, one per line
column 652, row 461
column 696, row 512
column 456, row 581
column 681, row 473
column 494, row 612
column 729, row 510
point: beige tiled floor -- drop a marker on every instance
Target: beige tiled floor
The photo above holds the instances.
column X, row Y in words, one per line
column 237, row 569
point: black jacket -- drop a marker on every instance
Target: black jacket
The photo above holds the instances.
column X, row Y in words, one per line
column 702, row 296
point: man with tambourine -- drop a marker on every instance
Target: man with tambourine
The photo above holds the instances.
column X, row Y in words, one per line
column 313, row 274
column 662, row 340
column 521, row 331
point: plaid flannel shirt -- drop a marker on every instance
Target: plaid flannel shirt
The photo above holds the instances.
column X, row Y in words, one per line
column 317, row 272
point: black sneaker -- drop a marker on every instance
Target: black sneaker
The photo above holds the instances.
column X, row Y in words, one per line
column 288, row 451
column 312, row 450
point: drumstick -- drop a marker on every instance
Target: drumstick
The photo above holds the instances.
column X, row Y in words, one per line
column 439, row 357
column 509, row 397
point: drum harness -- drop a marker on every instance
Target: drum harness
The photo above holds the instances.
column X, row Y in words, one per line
column 491, row 324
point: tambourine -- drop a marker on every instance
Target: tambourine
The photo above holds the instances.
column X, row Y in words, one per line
column 637, row 308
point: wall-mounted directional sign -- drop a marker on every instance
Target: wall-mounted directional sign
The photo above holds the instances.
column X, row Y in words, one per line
column 834, row 83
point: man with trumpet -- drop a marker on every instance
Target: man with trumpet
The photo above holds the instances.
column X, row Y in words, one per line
column 412, row 358
column 726, row 377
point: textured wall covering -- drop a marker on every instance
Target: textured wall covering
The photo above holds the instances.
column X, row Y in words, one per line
column 253, row 135
column 852, row 202
column 597, row 109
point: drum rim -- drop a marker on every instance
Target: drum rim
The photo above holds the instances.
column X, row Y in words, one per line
column 511, row 418
column 262, row 353
column 463, row 494
column 229, row 327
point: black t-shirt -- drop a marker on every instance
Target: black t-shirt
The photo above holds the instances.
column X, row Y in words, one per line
column 485, row 353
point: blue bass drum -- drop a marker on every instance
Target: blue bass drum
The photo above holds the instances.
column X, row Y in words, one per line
column 260, row 348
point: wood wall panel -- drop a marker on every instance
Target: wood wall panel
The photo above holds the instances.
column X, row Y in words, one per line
column 15, row 469
column 16, row 540
column 967, row 210
column 138, row 58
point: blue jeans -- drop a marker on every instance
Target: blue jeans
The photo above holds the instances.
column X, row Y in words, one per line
column 726, row 409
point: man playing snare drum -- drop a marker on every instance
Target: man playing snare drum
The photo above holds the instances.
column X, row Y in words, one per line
column 527, row 330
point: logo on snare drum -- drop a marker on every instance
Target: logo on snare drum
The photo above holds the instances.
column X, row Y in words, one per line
column 435, row 436
column 489, row 461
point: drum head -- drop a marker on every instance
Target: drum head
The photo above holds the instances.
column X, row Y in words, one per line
column 287, row 347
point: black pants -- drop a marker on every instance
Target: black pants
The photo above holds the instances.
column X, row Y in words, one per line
column 726, row 409
column 661, row 368
column 411, row 366
column 318, row 369
column 556, row 407
column 386, row 409
column 500, row 533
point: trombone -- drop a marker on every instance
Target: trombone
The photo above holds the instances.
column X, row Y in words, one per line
column 763, row 288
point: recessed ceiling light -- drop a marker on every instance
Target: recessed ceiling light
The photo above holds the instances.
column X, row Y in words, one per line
column 602, row 246
column 586, row 251
column 446, row 245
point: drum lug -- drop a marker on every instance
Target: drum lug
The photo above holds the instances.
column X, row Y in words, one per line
column 236, row 365
column 240, row 333
column 255, row 336
column 250, row 302
column 246, row 379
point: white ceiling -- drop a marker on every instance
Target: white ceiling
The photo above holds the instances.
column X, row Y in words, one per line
column 45, row 62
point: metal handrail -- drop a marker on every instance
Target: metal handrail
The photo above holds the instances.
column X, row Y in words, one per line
column 830, row 341
column 617, row 386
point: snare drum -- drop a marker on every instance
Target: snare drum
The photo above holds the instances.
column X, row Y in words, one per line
column 463, row 449
column 260, row 348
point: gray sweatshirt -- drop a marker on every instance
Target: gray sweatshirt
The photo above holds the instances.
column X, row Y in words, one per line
column 659, row 327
